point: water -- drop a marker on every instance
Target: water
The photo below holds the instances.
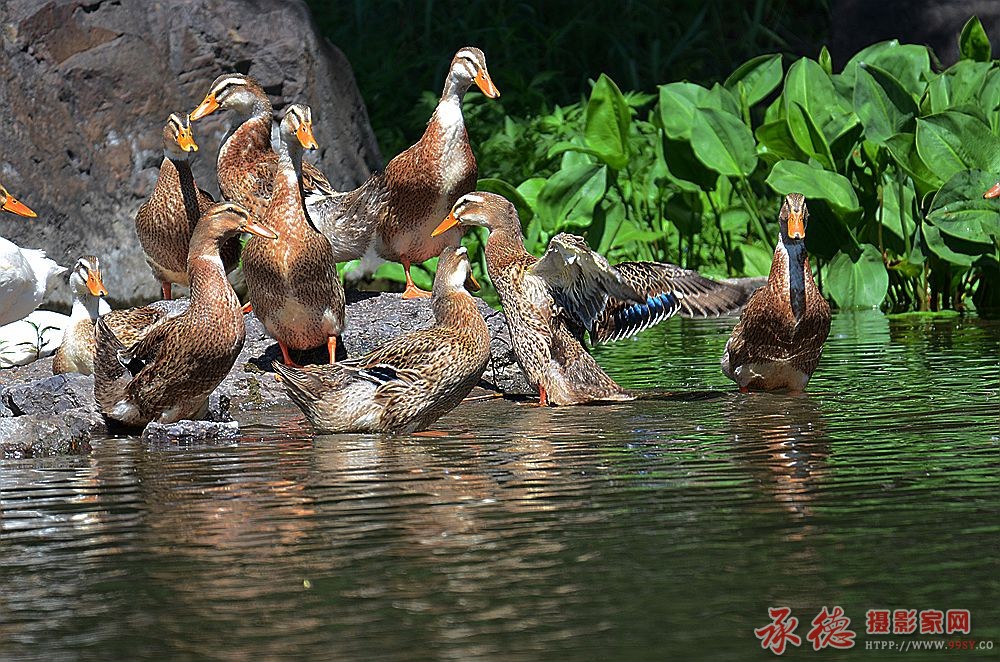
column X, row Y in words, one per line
column 659, row 529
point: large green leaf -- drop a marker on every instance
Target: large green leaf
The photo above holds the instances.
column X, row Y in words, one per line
column 959, row 209
column 570, row 195
column 965, row 81
column 881, row 103
column 952, row 249
column 808, row 136
column 756, row 78
column 908, row 63
column 949, row 142
column 989, row 100
column 811, row 88
column 973, row 44
column 723, row 143
column 500, row 187
column 607, row 123
column 859, row 282
column 756, row 259
column 686, row 170
column 677, row 107
column 791, row 176
column 902, row 147
column 775, row 142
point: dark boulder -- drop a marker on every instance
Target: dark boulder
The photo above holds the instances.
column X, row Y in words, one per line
column 87, row 87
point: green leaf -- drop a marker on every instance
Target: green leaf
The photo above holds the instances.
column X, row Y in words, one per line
column 951, row 249
column 723, row 143
column 807, row 85
column 677, row 107
column 908, row 63
column 500, row 187
column 808, row 135
column 756, row 259
column 756, row 77
column 881, row 103
column 570, row 195
column 685, row 169
column 973, row 44
column 825, row 61
column 949, row 142
column 965, row 81
column 902, row 147
column 959, row 209
column 794, row 177
column 860, row 282
column 775, row 142
column 989, row 100
column 607, row 123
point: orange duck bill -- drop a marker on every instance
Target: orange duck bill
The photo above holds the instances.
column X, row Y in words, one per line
column 448, row 223
column 259, row 230
column 95, row 285
column 485, row 84
column 796, row 225
column 208, row 106
column 994, row 191
column 15, row 206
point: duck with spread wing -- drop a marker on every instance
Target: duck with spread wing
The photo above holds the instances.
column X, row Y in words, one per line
column 549, row 302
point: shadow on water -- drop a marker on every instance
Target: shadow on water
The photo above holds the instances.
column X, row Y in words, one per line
column 660, row 527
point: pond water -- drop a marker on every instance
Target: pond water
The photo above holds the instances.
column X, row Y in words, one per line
column 658, row 529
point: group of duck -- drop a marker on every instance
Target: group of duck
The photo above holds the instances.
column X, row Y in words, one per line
column 162, row 361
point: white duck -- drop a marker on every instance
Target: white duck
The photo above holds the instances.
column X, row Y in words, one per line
column 76, row 353
column 36, row 336
column 26, row 275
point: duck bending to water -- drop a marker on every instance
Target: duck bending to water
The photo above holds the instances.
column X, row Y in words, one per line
column 164, row 222
column 76, row 352
column 393, row 213
column 151, row 365
column 549, row 302
column 412, row 380
column 293, row 282
column 26, row 274
column 777, row 343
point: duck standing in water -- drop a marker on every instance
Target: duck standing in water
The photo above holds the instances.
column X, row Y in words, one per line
column 164, row 222
column 777, row 343
column 26, row 274
column 293, row 282
column 76, row 352
column 412, row 380
column 393, row 213
column 549, row 302
column 152, row 365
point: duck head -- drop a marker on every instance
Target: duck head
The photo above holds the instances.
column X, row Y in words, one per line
column 793, row 218
column 178, row 141
column 485, row 210
column 296, row 127
column 454, row 272
column 227, row 219
column 13, row 205
column 85, row 279
column 468, row 67
column 234, row 92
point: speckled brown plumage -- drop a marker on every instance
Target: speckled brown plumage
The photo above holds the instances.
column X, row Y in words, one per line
column 404, row 203
column 776, row 344
column 153, row 366
column 247, row 162
column 76, row 351
column 411, row 381
column 164, row 223
column 292, row 282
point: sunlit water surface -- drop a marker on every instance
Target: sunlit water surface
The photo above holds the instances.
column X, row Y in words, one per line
column 660, row 529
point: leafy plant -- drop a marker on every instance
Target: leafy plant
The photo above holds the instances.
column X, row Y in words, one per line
column 892, row 156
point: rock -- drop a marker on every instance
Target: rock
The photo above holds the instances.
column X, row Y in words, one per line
column 38, row 435
column 50, row 396
column 186, row 432
column 87, row 87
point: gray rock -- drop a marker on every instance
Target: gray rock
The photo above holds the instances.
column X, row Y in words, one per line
column 87, row 87
column 186, row 432
column 39, row 436
column 50, row 396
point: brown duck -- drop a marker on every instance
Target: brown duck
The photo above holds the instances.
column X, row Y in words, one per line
column 402, row 204
column 777, row 343
column 76, row 352
column 549, row 302
column 164, row 223
column 151, row 365
column 247, row 163
column 412, row 380
column 293, row 281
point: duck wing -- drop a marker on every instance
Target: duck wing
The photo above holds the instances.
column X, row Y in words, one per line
column 581, row 280
column 668, row 290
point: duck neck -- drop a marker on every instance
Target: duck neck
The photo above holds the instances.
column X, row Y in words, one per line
column 189, row 190
column 207, row 275
column 452, row 307
column 85, row 306
column 796, row 264
column 454, row 89
column 289, row 167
